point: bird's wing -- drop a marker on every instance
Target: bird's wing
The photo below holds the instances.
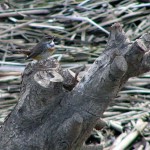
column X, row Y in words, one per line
column 35, row 51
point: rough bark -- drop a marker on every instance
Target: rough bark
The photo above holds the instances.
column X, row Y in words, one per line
column 54, row 113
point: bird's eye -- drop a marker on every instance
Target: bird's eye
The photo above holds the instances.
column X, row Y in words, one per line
column 49, row 37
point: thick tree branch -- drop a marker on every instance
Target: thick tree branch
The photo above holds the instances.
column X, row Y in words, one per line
column 55, row 112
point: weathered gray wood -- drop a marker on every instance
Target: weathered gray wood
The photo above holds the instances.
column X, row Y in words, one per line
column 54, row 113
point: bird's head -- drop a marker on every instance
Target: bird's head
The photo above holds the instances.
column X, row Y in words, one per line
column 49, row 41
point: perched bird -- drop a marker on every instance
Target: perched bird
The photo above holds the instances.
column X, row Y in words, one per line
column 43, row 49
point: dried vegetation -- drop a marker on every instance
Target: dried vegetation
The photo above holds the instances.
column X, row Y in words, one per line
column 81, row 29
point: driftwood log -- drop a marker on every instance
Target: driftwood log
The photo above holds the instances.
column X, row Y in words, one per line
column 55, row 112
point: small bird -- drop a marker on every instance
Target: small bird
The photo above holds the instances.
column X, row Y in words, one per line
column 44, row 49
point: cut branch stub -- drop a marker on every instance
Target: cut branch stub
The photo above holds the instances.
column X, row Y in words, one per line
column 42, row 90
